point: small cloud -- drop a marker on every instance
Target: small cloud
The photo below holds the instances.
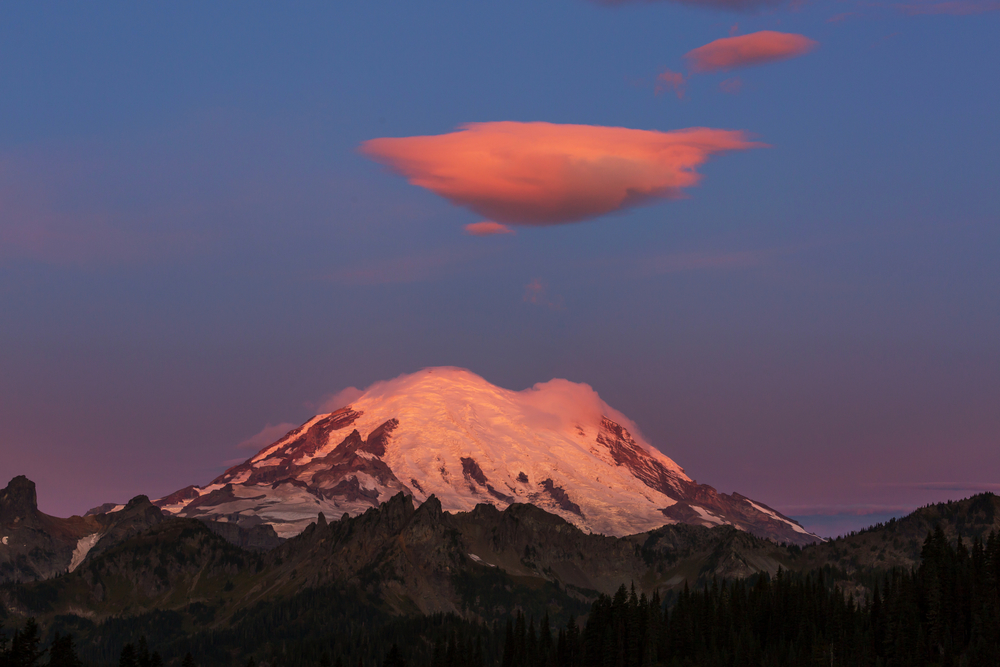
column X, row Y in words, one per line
column 548, row 174
column 341, row 399
column 733, row 29
column 667, row 80
column 748, row 50
column 536, row 292
column 266, row 436
column 487, row 228
column 731, row 86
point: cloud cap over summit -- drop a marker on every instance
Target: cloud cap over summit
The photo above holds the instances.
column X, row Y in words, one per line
column 545, row 174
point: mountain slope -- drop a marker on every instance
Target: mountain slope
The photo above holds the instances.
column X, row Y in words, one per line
column 34, row 545
column 401, row 559
column 449, row 433
column 184, row 587
column 898, row 543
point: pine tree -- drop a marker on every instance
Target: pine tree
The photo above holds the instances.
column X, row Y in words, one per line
column 127, row 658
column 394, row 658
column 25, row 650
column 188, row 661
column 142, row 652
column 62, row 653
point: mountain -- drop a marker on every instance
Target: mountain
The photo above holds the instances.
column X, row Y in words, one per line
column 186, row 588
column 34, row 545
column 448, row 433
column 898, row 543
column 400, row 559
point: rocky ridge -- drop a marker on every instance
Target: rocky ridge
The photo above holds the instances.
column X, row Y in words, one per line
column 36, row 546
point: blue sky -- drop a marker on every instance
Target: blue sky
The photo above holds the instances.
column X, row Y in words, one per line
column 192, row 245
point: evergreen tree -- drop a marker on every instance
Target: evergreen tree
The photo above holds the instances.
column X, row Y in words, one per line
column 25, row 650
column 142, row 652
column 62, row 653
column 394, row 658
column 128, row 658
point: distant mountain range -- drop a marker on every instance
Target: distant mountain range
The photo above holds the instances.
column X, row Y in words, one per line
column 450, row 434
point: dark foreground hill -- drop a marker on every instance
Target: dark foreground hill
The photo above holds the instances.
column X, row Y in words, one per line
column 415, row 575
column 36, row 546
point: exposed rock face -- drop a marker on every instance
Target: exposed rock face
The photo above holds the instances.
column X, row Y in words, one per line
column 258, row 538
column 448, row 433
column 19, row 502
column 34, row 545
column 484, row 564
column 417, row 558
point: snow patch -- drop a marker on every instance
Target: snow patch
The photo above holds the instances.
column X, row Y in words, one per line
column 796, row 527
column 480, row 560
column 706, row 516
column 83, row 548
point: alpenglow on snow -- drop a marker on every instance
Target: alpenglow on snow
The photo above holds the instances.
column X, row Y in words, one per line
column 449, row 433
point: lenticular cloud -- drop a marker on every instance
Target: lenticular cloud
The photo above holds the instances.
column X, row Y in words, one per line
column 547, row 174
column 746, row 50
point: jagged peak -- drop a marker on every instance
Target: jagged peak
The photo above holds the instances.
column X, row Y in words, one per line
column 138, row 501
column 19, row 500
column 431, row 506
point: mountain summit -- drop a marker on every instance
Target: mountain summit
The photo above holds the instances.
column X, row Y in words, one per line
column 448, row 433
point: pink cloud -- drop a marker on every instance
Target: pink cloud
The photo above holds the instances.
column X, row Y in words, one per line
column 267, row 435
column 546, row 174
column 341, row 399
column 536, row 292
column 747, row 50
column 731, row 86
column 668, row 80
column 487, row 228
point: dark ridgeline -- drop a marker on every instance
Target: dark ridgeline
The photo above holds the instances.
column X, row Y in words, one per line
column 944, row 612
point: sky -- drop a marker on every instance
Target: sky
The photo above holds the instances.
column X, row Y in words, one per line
column 765, row 231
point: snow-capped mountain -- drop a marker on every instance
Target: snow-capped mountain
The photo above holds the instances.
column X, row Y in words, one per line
column 449, row 433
